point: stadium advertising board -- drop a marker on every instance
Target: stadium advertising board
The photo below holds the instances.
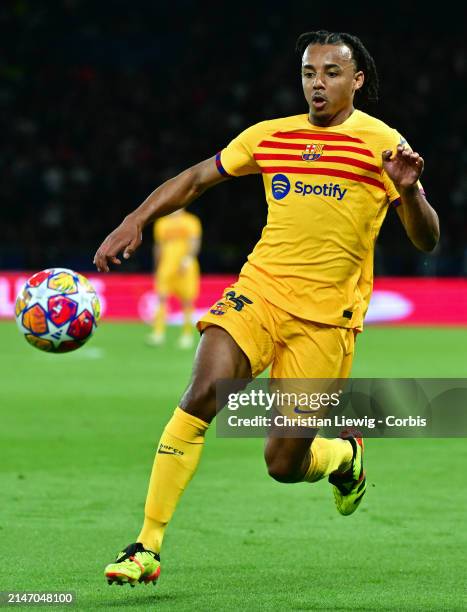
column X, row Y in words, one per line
column 419, row 301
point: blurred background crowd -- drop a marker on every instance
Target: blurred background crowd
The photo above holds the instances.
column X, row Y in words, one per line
column 102, row 101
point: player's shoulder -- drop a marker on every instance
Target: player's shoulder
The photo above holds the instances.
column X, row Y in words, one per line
column 292, row 122
column 372, row 128
column 269, row 127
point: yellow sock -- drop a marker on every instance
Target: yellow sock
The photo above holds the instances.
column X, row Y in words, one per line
column 328, row 456
column 175, row 463
column 160, row 319
column 187, row 321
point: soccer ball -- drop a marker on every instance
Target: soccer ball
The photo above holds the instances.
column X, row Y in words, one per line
column 57, row 310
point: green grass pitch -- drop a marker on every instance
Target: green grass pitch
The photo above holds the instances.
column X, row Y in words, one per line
column 78, row 434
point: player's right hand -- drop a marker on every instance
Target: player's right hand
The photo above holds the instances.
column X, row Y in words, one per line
column 125, row 238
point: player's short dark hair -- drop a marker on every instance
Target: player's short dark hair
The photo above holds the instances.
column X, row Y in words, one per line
column 360, row 55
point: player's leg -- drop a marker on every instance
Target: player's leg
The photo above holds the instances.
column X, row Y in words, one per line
column 180, row 446
column 178, row 453
column 235, row 344
column 306, row 459
column 288, row 459
column 309, row 351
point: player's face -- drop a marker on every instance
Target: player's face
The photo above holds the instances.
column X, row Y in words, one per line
column 330, row 81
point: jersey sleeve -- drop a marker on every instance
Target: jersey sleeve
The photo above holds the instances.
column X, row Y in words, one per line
column 237, row 159
column 393, row 194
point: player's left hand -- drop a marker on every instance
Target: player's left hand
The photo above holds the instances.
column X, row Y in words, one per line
column 404, row 168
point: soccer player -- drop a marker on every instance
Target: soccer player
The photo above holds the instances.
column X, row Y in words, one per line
column 330, row 176
column 177, row 240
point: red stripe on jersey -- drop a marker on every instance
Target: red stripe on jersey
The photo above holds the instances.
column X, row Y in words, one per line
column 317, row 135
column 272, row 144
column 324, row 171
column 278, row 156
column 348, row 148
column 327, row 158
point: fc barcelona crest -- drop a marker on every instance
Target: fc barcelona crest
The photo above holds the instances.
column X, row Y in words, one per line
column 220, row 308
column 312, row 152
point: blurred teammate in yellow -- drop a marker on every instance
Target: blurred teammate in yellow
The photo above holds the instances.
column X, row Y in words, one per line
column 177, row 240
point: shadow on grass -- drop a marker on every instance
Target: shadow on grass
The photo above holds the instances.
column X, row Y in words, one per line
column 145, row 600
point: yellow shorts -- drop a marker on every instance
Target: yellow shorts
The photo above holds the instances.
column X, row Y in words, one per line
column 295, row 347
column 185, row 286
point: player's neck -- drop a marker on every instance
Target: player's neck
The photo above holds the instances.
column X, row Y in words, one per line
column 331, row 120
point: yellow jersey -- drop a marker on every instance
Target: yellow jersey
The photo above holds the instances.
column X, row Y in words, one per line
column 327, row 196
column 174, row 235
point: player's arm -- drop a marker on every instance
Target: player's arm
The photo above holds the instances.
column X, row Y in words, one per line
column 175, row 193
column 419, row 219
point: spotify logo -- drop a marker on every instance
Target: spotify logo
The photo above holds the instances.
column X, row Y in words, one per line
column 280, row 186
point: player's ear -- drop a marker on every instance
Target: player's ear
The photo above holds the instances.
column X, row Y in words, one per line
column 358, row 80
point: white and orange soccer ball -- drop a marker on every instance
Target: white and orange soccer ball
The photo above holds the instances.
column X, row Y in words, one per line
column 57, row 310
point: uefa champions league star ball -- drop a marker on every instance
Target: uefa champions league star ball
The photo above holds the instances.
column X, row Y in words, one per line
column 57, row 310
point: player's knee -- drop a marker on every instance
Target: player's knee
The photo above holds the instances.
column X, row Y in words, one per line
column 283, row 471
